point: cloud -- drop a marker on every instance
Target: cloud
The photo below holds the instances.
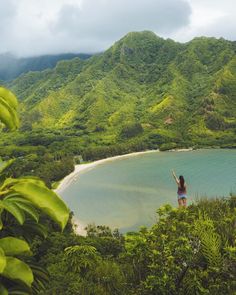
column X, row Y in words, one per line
column 212, row 18
column 96, row 25
column 227, row 30
column 110, row 18
column 89, row 25
column 7, row 13
column 32, row 27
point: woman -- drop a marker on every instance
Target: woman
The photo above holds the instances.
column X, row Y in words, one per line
column 182, row 191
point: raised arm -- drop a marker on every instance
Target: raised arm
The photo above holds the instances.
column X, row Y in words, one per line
column 175, row 177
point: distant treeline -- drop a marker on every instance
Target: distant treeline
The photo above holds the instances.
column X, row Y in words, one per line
column 52, row 154
column 96, row 153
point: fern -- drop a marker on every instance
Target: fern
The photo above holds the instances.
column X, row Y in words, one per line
column 193, row 285
column 81, row 257
column 210, row 241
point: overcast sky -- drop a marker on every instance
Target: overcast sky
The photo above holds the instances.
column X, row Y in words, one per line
column 35, row 27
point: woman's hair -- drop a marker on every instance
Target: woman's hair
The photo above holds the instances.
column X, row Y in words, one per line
column 181, row 181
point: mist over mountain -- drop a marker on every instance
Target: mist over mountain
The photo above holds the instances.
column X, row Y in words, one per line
column 166, row 90
column 12, row 66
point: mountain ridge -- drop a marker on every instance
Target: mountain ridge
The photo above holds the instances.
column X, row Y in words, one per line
column 173, row 90
column 11, row 66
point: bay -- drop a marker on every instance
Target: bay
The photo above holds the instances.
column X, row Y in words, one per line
column 126, row 193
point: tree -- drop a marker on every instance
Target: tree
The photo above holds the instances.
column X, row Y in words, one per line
column 131, row 130
column 81, row 258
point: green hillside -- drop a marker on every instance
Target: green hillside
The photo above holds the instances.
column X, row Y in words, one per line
column 179, row 91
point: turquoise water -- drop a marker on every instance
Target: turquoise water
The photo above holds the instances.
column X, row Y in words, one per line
column 125, row 193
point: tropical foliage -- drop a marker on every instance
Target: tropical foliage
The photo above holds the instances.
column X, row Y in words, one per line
column 22, row 200
column 188, row 251
column 8, row 105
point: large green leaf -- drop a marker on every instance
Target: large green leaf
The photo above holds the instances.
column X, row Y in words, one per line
column 16, row 269
column 8, row 106
column 8, row 115
column 9, row 97
column 29, row 209
column 23, row 204
column 5, row 116
column 14, row 210
column 13, row 246
column 43, row 198
column 2, row 260
column 11, row 181
column 5, row 164
column 18, row 206
column 35, row 190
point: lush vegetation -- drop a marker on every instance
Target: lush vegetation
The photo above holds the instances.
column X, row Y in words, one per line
column 22, row 201
column 188, row 251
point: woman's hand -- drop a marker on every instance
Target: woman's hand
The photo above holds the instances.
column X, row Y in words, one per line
column 175, row 177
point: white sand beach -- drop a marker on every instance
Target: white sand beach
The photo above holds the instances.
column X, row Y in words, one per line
column 81, row 168
column 79, row 227
column 182, row 150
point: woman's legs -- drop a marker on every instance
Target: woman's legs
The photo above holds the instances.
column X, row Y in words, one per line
column 180, row 202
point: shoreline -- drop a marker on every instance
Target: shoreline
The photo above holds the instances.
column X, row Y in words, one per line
column 181, row 150
column 80, row 168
